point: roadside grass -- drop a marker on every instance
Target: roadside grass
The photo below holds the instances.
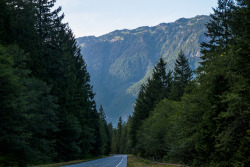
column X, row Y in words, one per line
column 135, row 162
column 68, row 163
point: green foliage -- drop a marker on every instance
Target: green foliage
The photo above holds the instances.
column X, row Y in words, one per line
column 121, row 143
column 208, row 124
column 182, row 75
column 171, row 131
column 156, row 89
column 152, row 132
column 105, row 133
column 26, row 114
column 184, row 122
column 48, row 112
column 9, row 90
column 225, row 93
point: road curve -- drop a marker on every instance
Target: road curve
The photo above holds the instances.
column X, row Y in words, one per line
column 114, row 161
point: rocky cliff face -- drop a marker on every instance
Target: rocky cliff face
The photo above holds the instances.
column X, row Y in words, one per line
column 120, row 61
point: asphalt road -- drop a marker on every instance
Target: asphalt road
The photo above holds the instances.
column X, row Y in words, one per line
column 114, row 161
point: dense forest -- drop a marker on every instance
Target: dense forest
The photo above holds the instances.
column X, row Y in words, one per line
column 47, row 107
column 198, row 118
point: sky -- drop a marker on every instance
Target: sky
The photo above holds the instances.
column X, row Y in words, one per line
column 98, row 17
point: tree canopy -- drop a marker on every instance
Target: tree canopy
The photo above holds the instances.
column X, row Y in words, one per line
column 204, row 120
column 48, row 112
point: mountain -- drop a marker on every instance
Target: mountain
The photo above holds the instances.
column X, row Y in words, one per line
column 120, row 61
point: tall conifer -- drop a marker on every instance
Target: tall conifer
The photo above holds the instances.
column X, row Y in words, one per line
column 182, row 75
column 156, row 89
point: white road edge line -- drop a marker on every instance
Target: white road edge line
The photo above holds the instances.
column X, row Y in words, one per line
column 120, row 162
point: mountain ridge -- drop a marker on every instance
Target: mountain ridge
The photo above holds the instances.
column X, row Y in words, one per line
column 120, row 61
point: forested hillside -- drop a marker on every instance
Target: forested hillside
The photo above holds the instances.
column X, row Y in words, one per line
column 202, row 120
column 47, row 107
column 119, row 62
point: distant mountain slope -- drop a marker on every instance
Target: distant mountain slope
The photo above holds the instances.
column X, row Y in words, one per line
column 120, row 61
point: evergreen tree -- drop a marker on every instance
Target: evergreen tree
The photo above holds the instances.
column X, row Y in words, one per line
column 102, row 114
column 120, row 138
column 182, row 75
column 151, row 135
column 20, row 25
column 209, row 125
column 110, row 130
column 119, row 135
column 224, row 125
column 104, row 133
column 53, row 58
column 4, row 22
column 150, row 94
column 9, row 124
column 219, row 29
column 27, row 118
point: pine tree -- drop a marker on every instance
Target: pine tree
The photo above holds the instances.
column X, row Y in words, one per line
column 102, row 114
column 4, row 22
column 54, row 58
column 104, row 133
column 224, row 124
column 27, row 118
column 9, row 124
column 182, row 75
column 150, row 94
column 213, row 79
column 219, row 29
column 118, row 138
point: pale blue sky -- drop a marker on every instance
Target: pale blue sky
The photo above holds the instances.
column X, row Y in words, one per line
column 98, row 17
